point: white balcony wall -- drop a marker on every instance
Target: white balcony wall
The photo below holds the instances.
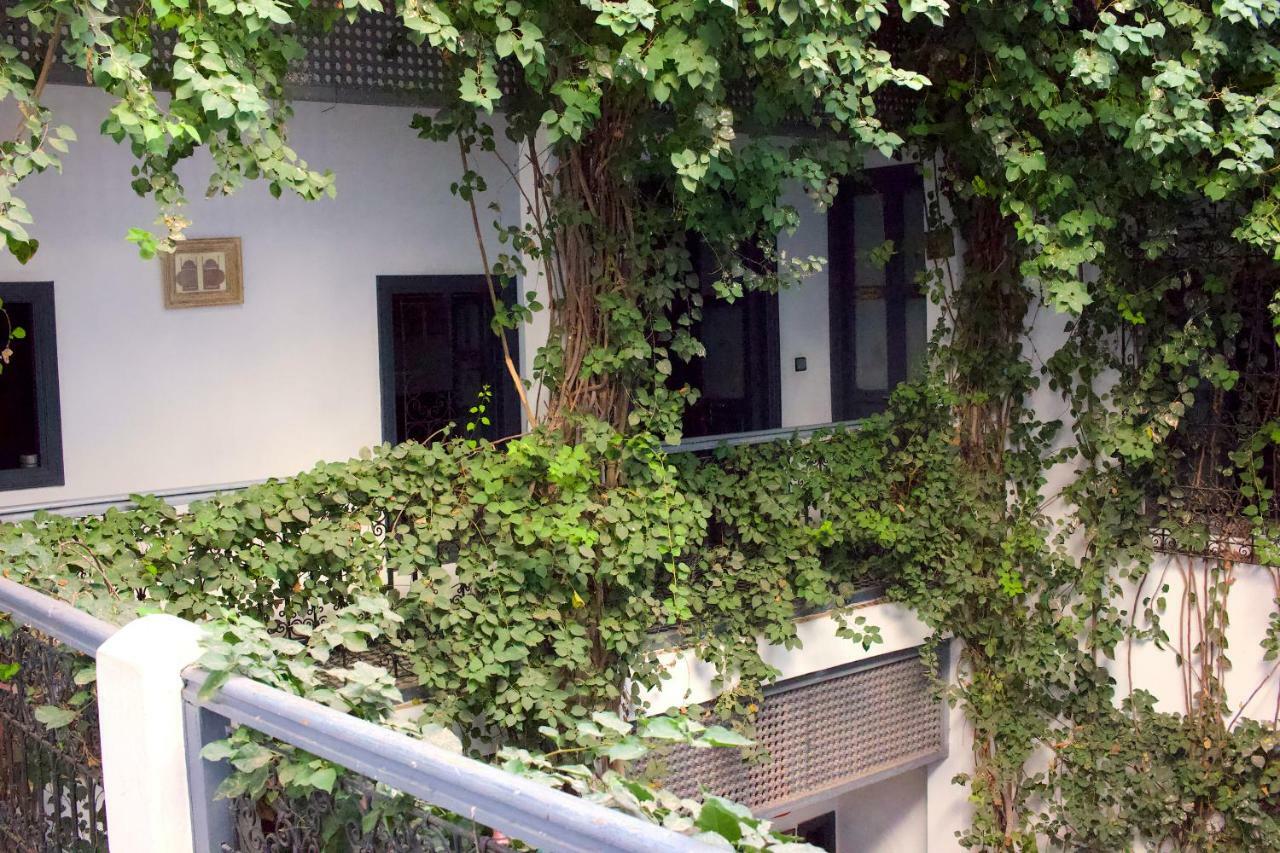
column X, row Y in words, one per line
column 820, row 649
column 182, row 400
column 156, row 399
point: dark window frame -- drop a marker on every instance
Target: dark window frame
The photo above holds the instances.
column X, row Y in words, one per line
column 891, row 183
column 762, row 349
column 389, row 286
column 44, row 349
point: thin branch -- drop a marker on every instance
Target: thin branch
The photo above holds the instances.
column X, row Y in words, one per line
column 50, row 56
column 493, row 295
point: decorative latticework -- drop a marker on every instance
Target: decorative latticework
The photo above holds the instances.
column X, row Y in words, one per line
column 318, row 822
column 51, row 794
column 1216, row 495
column 373, row 61
column 821, row 735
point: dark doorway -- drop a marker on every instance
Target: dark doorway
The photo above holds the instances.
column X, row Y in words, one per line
column 879, row 332
column 30, row 418
column 438, row 352
column 819, row 831
column 739, row 379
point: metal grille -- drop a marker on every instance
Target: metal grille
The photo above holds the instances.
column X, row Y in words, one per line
column 51, row 795
column 823, row 736
column 1207, row 500
column 372, row 61
column 373, row 58
column 318, row 822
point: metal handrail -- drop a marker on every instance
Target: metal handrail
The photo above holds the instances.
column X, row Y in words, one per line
column 704, row 443
column 58, row 619
column 518, row 807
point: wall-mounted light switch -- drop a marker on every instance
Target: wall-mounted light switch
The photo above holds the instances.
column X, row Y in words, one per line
column 802, row 364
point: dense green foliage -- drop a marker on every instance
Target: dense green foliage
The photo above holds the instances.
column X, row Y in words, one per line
column 1115, row 162
column 503, row 619
column 498, row 614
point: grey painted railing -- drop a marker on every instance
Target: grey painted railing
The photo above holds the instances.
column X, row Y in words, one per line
column 518, row 807
column 58, row 619
column 78, row 507
column 760, row 436
column 186, row 495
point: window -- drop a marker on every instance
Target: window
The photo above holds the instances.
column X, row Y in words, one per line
column 437, row 352
column 879, row 332
column 1206, row 498
column 30, row 417
column 740, row 378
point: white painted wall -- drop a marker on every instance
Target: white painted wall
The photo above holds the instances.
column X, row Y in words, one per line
column 884, row 817
column 804, row 322
column 160, row 400
column 156, row 399
column 691, row 679
column 1251, row 686
column 887, row 817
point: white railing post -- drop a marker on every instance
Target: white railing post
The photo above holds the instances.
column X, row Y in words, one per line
column 140, row 714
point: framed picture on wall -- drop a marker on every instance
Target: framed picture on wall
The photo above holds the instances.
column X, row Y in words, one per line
column 203, row 272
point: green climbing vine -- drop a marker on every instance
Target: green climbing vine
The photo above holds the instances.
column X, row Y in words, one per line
column 1109, row 172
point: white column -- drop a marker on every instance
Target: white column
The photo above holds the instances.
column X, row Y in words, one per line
column 144, row 767
column 947, row 804
column 804, row 329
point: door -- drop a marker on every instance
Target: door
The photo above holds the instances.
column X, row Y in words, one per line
column 438, row 352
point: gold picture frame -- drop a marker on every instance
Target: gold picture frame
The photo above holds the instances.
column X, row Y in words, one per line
column 203, row 272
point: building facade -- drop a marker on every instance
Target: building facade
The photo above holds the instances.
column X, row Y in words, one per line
column 363, row 320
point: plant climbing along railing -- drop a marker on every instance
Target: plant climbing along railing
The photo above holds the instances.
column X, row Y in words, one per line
column 1078, row 146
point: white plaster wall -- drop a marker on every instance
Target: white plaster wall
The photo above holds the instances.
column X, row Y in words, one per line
column 1251, row 686
column 885, row 817
column 691, row 679
column 156, row 399
column 948, row 809
column 804, row 324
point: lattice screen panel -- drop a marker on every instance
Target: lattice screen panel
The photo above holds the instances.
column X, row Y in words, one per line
column 823, row 736
column 372, row 61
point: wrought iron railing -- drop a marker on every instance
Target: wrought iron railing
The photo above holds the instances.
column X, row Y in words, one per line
column 51, row 795
column 321, row 822
column 51, row 792
column 1216, row 497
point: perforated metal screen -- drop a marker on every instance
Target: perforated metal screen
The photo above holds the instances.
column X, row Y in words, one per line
column 823, row 734
column 372, row 61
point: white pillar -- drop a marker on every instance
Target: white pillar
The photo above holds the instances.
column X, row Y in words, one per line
column 803, row 329
column 947, row 806
column 144, row 767
column 533, row 334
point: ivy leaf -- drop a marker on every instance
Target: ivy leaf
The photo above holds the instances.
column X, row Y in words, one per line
column 610, row 720
column 323, row 779
column 627, row 749
column 721, row 736
column 1071, row 296
column 54, row 717
column 722, row 818
column 664, row 728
